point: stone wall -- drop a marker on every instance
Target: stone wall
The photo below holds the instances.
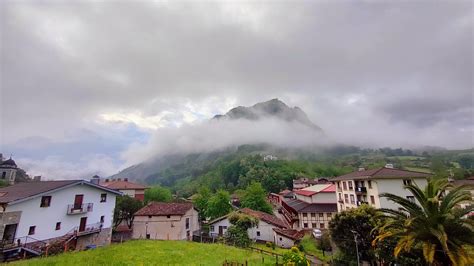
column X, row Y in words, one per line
column 8, row 218
column 102, row 238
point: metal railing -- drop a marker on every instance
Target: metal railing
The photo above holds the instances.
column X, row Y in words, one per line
column 89, row 229
column 79, row 208
column 25, row 242
column 361, row 190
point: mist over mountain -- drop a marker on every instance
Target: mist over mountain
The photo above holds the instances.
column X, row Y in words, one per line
column 268, row 126
column 272, row 108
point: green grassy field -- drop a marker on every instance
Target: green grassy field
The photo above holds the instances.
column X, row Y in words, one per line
column 149, row 252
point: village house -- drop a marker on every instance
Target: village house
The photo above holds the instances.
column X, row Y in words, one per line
column 312, row 207
column 43, row 213
column 365, row 186
column 128, row 188
column 263, row 232
column 166, row 221
column 469, row 181
column 287, row 238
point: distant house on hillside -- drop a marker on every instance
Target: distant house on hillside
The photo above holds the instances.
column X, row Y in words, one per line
column 165, row 221
column 468, row 181
column 312, row 207
column 8, row 170
column 128, row 188
column 365, row 186
column 73, row 212
column 303, row 182
column 262, row 232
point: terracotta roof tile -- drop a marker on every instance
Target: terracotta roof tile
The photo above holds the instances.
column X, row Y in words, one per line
column 382, row 172
column 162, row 208
column 268, row 218
column 291, row 233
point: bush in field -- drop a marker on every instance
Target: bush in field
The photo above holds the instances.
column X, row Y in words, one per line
column 295, row 257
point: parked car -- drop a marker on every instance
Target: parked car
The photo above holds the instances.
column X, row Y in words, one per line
column 317, row 233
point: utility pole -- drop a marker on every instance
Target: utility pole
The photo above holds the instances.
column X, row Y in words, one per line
column 357, row 246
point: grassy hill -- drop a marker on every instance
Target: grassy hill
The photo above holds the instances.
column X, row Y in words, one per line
column 148, row 252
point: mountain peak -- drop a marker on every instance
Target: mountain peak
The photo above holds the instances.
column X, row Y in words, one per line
column 273, row 108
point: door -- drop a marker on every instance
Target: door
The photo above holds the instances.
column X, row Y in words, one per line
column 9, row 233
column 82, row 225
column 78, row 202
column 221, row 230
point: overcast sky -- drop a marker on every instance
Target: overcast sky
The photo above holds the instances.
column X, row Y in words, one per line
column 84, row 84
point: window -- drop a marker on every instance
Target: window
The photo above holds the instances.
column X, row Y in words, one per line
column 31, row 231
column 149, row 216
column 329, row 215
column 305, row 214
column 313, row 225
column 103, row 197
column 4, row 174
column 58, row 226
column 350, row 185
column 362, row 183
column 406, row 182
column 411, row 198
column 281, row 239
column 147, row 236
column 187, row 223
column 313, row 215
column 344, row 185
column 346, row 198
column 225, row 227
column 258, row 233
column 369, row 183
column 321, row 215
column 45, row 201
column 340, row 196
column 321, row 225
column 372, row 200
column 102, row 219
column 168, row 216
column 352, row 199
column 212, row 228
column 305, row 225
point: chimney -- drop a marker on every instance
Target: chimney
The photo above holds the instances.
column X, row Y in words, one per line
column 37, row 178
column 95, row 179
column 361, row 169
column 125, row 179
column 389, row 165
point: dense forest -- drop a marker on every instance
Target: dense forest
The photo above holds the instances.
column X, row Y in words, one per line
column 236, row 169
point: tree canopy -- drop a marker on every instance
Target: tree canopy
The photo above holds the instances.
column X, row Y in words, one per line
column 218, row 205
column 125, row 207
column 158, row 193
column 255, row 198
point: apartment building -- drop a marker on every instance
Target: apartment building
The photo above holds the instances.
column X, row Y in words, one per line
column 365, row 186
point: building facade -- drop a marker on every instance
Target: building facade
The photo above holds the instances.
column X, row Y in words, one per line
column 312, row 207
column 47, row 211
column 365, row 186
column 128, row 188
column 166, row 221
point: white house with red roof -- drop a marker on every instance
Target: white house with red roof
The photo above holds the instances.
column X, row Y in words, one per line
column 128, row 188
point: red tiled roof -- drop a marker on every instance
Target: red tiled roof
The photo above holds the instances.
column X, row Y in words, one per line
column 290, row 233
column 162, row 208
column 329, row 189
column 268, row 218
column 382, row 172
column 306, row 193
column 122, row 185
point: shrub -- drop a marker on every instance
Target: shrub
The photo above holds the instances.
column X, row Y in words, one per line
column 295, row 257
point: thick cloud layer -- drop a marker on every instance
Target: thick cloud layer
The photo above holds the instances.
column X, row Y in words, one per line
column 371, row 73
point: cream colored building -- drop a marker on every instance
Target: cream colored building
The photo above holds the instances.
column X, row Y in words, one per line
column 365, row 186
column 165, row 221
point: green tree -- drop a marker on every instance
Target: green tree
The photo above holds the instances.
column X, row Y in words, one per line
column 237, row 233
column 201, row 201
column 359, row 222
column 434, row 225
column 125, row 207
column 255, row 198
column 218, row 205
column 158, row 194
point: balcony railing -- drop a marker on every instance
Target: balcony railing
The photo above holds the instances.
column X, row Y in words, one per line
column 361, row 190
column 361, row 202
column 89, row 229
column 79, row 208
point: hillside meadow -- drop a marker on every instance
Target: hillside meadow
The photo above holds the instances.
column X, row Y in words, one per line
column 151, row 252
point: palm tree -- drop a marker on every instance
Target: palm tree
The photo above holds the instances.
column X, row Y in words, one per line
column 435, row 224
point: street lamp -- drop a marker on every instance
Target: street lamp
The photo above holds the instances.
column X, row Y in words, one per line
column 357, row 247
